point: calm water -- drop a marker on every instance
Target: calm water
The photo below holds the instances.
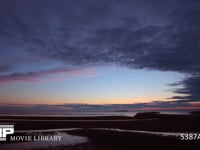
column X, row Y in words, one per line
column 79, row 114
column 176, row 134
column 66, row 140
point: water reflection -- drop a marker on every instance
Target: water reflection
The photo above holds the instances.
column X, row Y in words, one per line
column 176, row 134
column 67, row 139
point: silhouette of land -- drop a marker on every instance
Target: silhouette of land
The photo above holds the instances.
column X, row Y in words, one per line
column 97, row 129
column 151, row 121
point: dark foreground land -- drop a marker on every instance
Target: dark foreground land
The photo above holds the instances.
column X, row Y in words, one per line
column 109, row 140
column 101, row 139
column 152, row 121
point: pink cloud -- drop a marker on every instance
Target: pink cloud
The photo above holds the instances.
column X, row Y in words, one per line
column 51, row 75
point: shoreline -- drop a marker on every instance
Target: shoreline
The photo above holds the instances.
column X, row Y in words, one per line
column 144, row 130
column 152, row 121
column 113, row 140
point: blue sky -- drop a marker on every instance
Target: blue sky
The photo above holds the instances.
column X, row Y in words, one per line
column 99, row 85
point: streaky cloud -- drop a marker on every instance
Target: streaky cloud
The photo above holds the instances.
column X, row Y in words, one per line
column 68, row 73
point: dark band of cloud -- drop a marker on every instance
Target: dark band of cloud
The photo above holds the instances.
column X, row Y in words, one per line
column 5, row 68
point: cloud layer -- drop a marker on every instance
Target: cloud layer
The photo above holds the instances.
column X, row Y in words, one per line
column 132, row 33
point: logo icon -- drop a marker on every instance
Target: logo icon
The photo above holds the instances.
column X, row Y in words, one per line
column 5, row 130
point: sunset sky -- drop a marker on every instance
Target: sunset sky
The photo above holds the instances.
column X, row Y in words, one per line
column 99, row 51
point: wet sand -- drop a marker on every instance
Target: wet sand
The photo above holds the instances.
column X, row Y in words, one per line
column 114, row 140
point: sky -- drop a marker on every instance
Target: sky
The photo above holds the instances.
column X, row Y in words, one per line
column 100, row 52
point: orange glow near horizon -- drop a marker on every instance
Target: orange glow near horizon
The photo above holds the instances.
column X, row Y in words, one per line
column 84, row 101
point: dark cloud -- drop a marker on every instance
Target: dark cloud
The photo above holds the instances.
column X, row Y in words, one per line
column 190, row 89
column 34, row 109
column 4, row 68
column 136, row 34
